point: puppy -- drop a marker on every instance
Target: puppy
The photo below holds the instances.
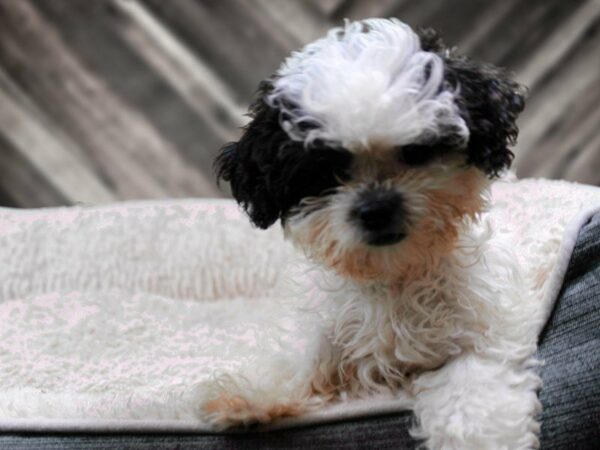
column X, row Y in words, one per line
column 375, row 147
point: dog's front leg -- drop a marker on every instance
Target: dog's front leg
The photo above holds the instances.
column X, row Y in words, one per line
column 264, row 389
column 231, row 400
column 225, row 408
column 477, row 403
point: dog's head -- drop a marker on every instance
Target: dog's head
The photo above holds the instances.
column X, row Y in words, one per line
column 373, row 145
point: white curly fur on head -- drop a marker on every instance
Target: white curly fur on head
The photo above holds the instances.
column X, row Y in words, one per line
column 391, row 92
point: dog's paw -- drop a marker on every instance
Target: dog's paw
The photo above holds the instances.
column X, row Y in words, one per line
column 475, row 403
column 229, row 410
column 227, row 401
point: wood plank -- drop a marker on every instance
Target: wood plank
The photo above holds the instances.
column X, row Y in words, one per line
column 5, row 200
column 551, row 102
column 95, row 33
column 227, row 38
column 327, row 7
column 138, row 95
column 563, row 40
column 585, row 168
column 293, row 19
column 521, row 31
column 482, row 28
column 418, row 14
column 195, row 81
column 359, row 9
column 29, row 140
column 453, row 22
column 123, row 145
column 535, row 31
column 571, row 150
column 21, row 185
column 567, row 137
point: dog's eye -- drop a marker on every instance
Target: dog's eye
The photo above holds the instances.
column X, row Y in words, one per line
column 415, row 154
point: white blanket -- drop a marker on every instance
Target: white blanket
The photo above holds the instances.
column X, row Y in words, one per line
column 112, row 317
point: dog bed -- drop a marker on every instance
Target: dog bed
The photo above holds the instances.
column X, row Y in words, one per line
column 114, row 318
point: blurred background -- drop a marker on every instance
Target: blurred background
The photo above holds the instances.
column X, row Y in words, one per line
column 105, row 100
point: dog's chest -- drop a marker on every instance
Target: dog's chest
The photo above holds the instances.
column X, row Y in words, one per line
column 386, row 333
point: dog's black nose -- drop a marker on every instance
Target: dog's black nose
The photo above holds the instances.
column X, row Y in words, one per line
column 375, row 216
column 380, row 214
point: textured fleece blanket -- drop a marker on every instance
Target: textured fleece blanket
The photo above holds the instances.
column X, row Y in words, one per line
column 113, row 317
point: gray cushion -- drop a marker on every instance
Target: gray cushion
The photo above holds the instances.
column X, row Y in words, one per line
column 570, row 348
column 387, row 432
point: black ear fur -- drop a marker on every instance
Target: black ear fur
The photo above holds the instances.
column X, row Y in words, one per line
column 269, row 173
column 244, row 164
column 490, row 103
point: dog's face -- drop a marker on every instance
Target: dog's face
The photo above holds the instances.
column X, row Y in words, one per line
column 373, row 145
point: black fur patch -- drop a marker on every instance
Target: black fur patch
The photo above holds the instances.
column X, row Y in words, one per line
column 269, row 173
column 489, row 101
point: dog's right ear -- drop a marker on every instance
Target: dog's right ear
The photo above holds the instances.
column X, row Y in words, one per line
column 247, row 164
column 248, row 185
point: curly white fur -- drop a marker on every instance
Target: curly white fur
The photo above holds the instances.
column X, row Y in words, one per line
column 390, row 92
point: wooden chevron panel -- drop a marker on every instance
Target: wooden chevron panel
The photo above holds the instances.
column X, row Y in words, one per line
column 109, row 100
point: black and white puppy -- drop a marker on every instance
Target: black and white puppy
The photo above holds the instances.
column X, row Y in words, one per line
column 375, row 146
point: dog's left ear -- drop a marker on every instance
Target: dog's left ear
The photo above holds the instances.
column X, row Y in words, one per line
column 490, row 103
